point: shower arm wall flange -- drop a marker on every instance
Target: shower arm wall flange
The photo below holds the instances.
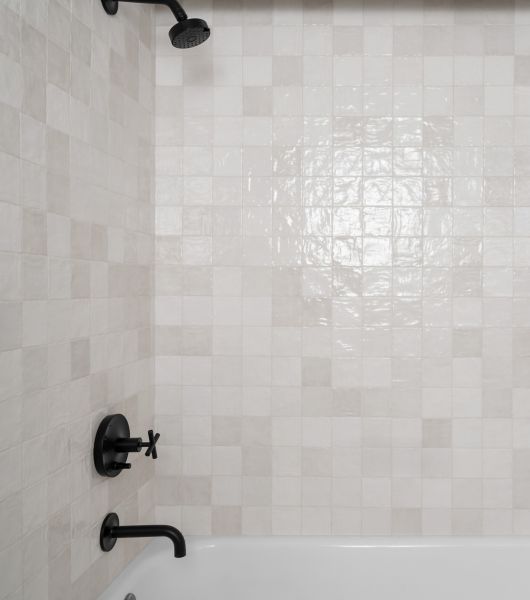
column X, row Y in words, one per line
column 111, row 6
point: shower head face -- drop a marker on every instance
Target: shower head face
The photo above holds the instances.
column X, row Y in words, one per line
column 110, row 6
column 189, row 33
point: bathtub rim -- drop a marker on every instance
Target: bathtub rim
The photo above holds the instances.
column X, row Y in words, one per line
column 347, row 541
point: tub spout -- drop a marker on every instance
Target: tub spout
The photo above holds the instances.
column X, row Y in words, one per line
column 111, row 530
column 137, row 531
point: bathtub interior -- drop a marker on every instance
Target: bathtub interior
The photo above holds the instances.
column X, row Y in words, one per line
column 325, row 568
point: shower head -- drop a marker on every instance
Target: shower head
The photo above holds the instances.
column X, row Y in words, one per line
column 187, row 33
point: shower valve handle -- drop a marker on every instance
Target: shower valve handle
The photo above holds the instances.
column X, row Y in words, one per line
column 113, row 444
column 136, row 444
column 151, row 444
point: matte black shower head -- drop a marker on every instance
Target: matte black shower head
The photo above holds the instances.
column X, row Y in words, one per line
column 187, row 33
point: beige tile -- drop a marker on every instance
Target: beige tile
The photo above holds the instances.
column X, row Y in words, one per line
column 58, row 206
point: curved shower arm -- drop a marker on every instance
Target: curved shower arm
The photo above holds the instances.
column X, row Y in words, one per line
column 173, row 6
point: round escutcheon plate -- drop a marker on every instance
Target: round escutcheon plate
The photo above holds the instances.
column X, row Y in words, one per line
column 106, row 541
column 111, row 429
column 110, row 6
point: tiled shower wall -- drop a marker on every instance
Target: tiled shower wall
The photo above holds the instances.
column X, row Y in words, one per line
column 343, row 269
column 76, row 249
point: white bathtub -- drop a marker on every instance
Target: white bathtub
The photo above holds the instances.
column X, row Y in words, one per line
column 329, row 569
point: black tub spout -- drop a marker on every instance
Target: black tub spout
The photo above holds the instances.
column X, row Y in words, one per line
column 111, row 530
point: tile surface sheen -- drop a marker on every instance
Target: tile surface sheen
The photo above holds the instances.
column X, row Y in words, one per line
column 343, row 268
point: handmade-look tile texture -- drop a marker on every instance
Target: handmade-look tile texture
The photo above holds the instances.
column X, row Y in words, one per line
column 343, row 269
column 76, row 249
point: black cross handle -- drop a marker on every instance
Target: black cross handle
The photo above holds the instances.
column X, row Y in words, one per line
column 151, row 444
column 136, row 444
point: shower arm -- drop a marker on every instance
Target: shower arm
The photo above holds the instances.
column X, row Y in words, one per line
column 173, row 6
